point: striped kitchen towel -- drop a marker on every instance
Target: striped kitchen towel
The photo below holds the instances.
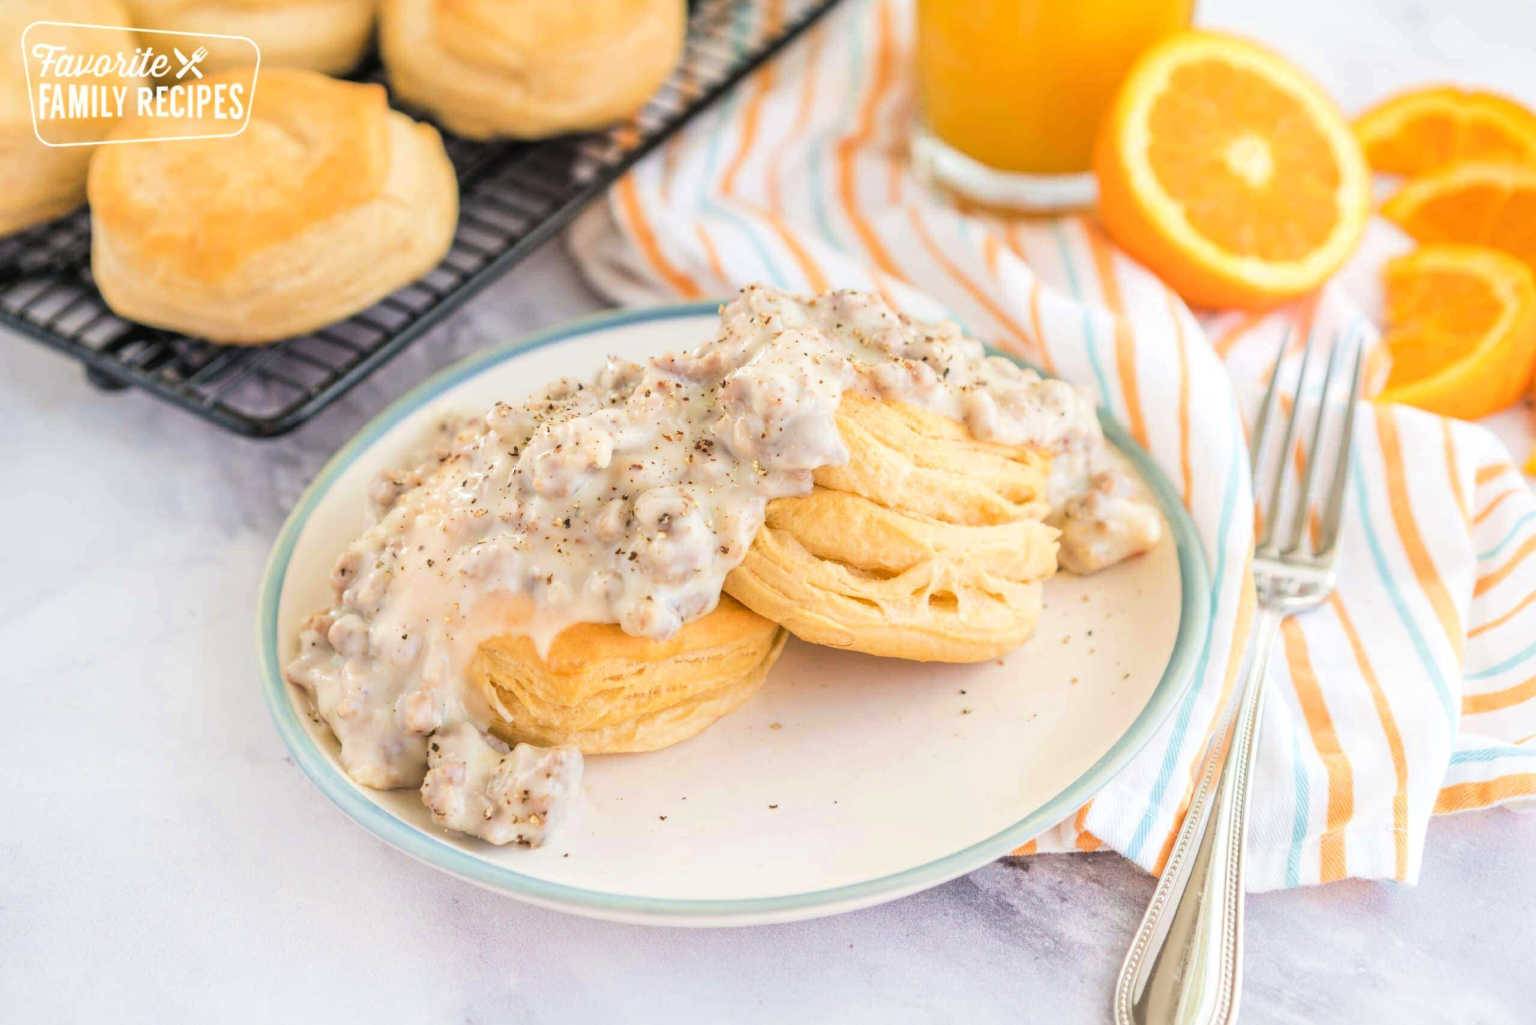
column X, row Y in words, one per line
column 1413, row 691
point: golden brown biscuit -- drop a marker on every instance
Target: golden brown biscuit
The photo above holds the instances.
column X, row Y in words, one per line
column 43, row 182
column 529, row 68
column 327, row 202
column 322, row 35
column 606, row 691
column 927, row 545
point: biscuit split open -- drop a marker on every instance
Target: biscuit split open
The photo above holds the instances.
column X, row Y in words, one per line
column 926, row 545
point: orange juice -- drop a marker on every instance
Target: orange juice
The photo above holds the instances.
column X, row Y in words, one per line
column 1020, row 85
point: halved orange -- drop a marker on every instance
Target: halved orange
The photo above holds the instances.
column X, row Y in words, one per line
column 1424, row 130
column 1480, row 204
column 1229, row 172
column 1461, row 327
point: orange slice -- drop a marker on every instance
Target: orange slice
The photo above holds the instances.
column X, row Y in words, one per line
column 1481, row 204
column 1424, row 130
column 1461, row 327
column 1229, row 172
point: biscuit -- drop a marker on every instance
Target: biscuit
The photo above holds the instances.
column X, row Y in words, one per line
column 44, row 182
column 330, row 36
column 326, row 203
column 527, row 68
column 926, row 545
column 603, row 690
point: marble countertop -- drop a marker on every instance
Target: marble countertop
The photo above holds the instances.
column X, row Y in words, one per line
column 166, row 862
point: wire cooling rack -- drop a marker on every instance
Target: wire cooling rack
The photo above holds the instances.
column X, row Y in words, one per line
column 513, row 197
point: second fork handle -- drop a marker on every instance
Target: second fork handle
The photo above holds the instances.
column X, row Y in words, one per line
column 1185, row 965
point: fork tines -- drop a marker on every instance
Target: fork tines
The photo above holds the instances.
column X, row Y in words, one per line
column 1327, row 440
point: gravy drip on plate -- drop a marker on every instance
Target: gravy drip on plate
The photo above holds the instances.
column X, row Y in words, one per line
column 476, row 784
column 628, row 498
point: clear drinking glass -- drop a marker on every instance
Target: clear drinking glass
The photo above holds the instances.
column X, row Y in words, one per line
column 1013, row 90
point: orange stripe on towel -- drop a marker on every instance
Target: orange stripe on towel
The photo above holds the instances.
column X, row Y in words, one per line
column 991, row 250
column 640, row 227
column 1228, row 339
column 1248, row 603
column 1453, row 471
column 1186, row 464
column 849, row 146
column 1408, row 529
column 1497, row 700
column 814, row 275
column 1389, row 728
column 1314, row 519
column 1304, row 316
column 688, row 89
column 1488, row 473
column 1086, row 841
column 1046, row 363
column 1325, row 739
column 1498, row 576
column 752, row 110
column 713, row 256
column 1498, row 500
column 1494, row 624
column 1125, row 342
column 1467, row 796
column 751, row 121
column 977, row 293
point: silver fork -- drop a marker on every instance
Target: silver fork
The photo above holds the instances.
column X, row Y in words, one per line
column 1185, row 964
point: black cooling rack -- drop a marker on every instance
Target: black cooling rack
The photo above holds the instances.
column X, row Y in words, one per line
column 513, row 197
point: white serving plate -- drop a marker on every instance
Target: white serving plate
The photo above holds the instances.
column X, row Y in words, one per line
column 847, row 780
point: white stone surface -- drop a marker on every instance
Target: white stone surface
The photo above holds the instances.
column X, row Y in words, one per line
column 162, row 861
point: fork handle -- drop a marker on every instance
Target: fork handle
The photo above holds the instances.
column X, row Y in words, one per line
column 1185, row 965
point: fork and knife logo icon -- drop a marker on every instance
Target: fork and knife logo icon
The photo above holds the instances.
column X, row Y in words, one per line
column 190, row 64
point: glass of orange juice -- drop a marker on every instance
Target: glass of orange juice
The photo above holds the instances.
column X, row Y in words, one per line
column 1012, row 91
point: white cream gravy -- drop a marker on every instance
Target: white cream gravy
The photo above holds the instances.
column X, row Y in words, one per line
column 628, row 498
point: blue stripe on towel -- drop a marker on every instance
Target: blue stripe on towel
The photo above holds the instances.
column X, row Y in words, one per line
column 1378, row 556
column 1186, row 710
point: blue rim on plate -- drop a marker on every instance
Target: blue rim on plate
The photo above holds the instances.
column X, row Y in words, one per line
column 1194, row 622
